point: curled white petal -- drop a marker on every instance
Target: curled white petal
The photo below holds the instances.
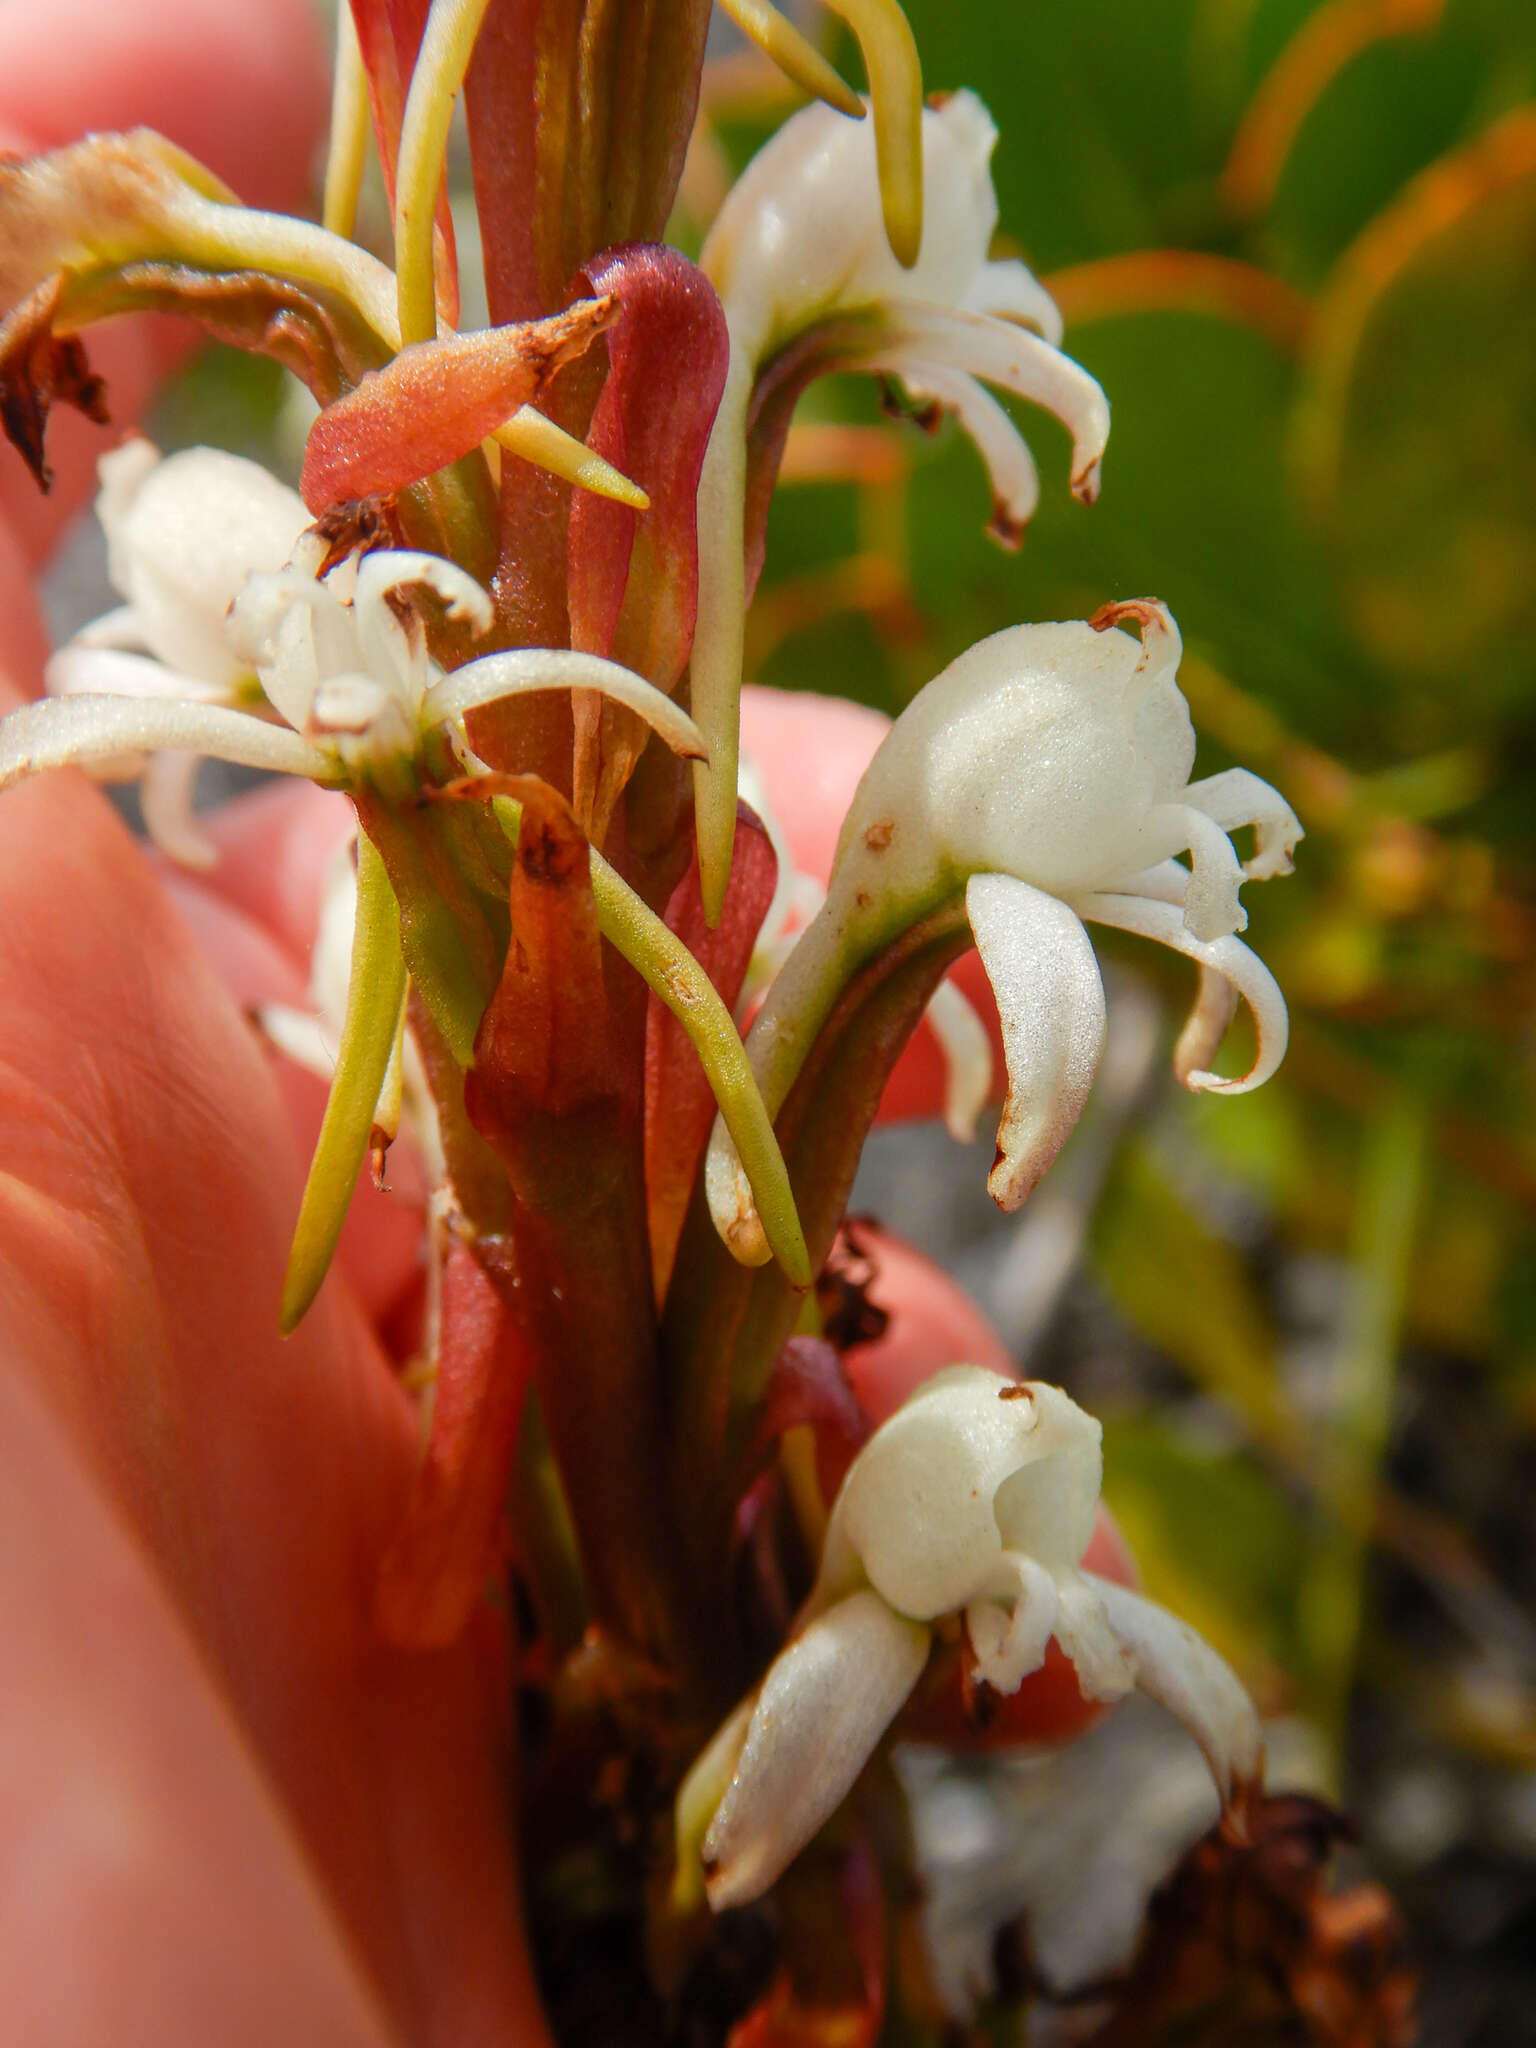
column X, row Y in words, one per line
column 1211, row 906
column 1020, row 361
column 388, row 569
column 1179, row 1669
column 1008, row 1646
column 1229, row 958
column 1050, row 1000
column 1207, row 1025
column 166, row 797
column 824, row 1705
column 1010, row 290
column 82, row 731
column 1010, row 466
column 1236, row 798
column 527, row 669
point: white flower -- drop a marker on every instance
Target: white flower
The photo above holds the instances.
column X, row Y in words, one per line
column 799, row 255
column 298, row 677
column 800, row 243
column 183, row 533
column 976, row 1499
column 1044, row 775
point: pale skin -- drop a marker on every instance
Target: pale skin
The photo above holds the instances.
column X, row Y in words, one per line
column 226, row 1811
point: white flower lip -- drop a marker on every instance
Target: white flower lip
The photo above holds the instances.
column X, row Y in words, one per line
column 1045, row 774
column 978, row 1498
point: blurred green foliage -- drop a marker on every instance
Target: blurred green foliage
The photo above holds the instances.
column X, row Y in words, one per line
column 1297, row 245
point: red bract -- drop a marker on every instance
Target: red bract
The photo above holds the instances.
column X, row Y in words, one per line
column 445, row 1551
column 634, row 581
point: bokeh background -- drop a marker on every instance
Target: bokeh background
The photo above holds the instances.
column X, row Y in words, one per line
column 1297, row 244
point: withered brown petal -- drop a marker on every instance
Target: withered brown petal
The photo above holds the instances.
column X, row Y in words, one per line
column 38, row 370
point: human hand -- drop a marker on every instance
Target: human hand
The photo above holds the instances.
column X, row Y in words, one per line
column 228, row 1812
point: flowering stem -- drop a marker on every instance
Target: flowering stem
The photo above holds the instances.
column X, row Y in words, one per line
column 375, row 1002
column 672, row 973
column 724, row 1322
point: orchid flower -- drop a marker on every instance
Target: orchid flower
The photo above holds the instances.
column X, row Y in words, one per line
column 348, row 690
column 975, row 1500
column 801, row 261
column 1044, row 776
column 183, row 533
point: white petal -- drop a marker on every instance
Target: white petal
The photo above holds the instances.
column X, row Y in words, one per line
column 527, row 669
column 62, row 732
column 1229, row 958
column 394, row 648
column 1018, row 360
column 182, row 537
column 1010, row 466
column 1181, row 1671
column 83, row 670
column 1211, row 906
column 1236, row 798
column 1008, row 1647
column 967, row 1051
column 918, row 1510
column 1010, row 290
column 1050, row 999
column 1207, row 1025
column 827, row 1700
column 389, row 569
column 166, row 792
column 1104, row 1670
column 117, row 628
column 299, row 1036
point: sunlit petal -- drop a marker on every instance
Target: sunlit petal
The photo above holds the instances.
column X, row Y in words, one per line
column 1010, row 466
column 524, row 670
column 81, row 731
column 1230, row 959
column 166, row 791
column 1011, row 291
column 1236, row 798
column 1050, row 1000
column 1018, row 360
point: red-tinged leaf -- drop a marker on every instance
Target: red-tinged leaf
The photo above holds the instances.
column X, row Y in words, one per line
column 436, row 401
column 809, row 1387
column 579, row 115
column 634, row 578
column 448, row 1546
column 544, row 1048
column 388, row 37
column 679, row 1105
